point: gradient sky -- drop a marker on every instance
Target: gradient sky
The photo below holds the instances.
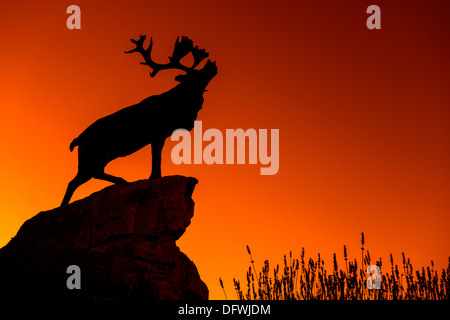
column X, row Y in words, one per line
column 363, row 115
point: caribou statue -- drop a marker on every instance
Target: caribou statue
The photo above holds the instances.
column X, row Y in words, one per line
column 150, row 121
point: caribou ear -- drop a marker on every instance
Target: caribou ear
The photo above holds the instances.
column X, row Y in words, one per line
column 180, row 77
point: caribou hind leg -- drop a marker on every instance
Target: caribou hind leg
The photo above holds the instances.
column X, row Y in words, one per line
column 79, row 179
column 109, row 178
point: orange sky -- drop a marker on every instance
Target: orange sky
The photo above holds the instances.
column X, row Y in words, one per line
column 363, row 115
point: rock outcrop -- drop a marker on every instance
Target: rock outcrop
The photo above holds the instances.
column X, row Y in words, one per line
column 122, row 238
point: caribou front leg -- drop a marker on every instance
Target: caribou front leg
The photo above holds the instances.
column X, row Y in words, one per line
column 157, row 146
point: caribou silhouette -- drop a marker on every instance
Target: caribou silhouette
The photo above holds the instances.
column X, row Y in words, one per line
column 150, row 121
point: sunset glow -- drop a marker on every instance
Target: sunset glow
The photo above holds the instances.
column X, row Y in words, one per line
column 363, row 119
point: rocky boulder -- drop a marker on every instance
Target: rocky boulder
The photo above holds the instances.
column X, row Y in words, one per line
column 122, row 238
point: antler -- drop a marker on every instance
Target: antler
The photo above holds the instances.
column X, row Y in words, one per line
column 181, row 49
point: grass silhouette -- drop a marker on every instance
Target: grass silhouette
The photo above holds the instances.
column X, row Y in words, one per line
column 308, row 280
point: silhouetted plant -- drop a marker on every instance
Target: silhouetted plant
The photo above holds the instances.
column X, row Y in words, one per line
column 310, row 281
